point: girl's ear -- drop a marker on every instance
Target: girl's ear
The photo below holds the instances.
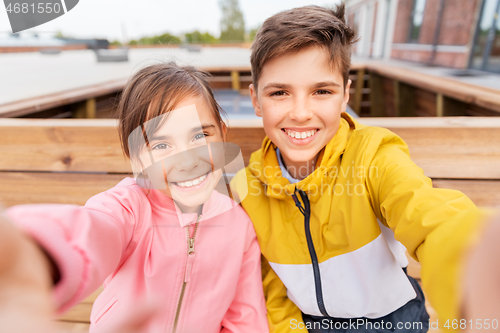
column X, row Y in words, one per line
column 224, row 130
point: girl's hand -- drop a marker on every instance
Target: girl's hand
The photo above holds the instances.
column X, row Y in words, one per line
column 25, row 283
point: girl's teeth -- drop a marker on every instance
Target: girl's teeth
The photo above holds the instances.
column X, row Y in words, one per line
column 193, row 182
column 301, row 135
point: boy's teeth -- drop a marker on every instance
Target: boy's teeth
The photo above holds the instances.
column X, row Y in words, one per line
column 193, row 182
column 300, row 135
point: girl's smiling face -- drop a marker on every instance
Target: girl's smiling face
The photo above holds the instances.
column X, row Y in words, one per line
column 177, row 158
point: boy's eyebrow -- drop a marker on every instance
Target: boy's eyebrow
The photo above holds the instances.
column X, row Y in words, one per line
column 276, row 85
column 326, row 84
column 316, row 85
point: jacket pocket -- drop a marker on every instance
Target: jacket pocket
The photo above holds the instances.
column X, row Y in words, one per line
column 109, row 308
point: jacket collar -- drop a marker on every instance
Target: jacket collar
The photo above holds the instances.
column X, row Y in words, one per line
column 264, row 165
column 216, row 204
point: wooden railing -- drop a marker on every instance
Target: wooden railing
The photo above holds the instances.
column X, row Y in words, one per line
column 380, row 90
column 377, row 90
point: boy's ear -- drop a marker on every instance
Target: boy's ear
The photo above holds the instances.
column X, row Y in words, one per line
column 255, row 101
column 346, row 96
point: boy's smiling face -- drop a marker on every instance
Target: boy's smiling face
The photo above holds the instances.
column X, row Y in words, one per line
column 300, row 97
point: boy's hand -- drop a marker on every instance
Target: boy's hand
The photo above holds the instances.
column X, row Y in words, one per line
column 481, row 301
column 25, row 283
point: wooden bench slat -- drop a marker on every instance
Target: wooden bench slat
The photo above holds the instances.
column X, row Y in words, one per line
column 443, row 152
column 69, row 146
column 75, row 188
column 484, row 193
column 31, row 147
column 93, row 297
column 80, row 313
column 72, row 327
column 41, row 187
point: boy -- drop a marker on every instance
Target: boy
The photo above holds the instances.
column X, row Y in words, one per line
column 323, row 191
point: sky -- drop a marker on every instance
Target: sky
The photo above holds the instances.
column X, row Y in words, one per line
column 131, row 19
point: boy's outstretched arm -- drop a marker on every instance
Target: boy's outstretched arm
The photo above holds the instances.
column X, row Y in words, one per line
column 481, row 301
column 25, row 283
column 283, row 315
column 437, row 226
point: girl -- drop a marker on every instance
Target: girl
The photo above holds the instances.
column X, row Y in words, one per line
column 166, row 238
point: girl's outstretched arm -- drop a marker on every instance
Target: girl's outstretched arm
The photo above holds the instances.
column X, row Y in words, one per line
column 86, row 243
column 248, row 309
column 25, row 283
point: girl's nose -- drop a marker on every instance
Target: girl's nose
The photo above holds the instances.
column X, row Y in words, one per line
column 189, row 160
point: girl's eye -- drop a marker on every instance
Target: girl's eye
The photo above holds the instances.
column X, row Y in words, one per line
column 200, row 136
column 160, row 146
column 278, row 93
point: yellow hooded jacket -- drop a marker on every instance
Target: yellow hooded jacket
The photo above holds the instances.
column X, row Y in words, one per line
column 364, row 175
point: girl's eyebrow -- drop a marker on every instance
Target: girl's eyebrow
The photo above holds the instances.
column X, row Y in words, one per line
column 202, row 128
column 193, row 130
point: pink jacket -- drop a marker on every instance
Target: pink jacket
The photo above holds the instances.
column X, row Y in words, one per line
column 137, row 246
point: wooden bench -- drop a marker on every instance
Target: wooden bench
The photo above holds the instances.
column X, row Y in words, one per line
column 69, row 160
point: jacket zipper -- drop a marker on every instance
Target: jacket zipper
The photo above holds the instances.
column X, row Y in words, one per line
column 306, row 211
column 187, row 272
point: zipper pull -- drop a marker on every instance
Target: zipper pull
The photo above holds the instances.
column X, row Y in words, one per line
column 191, row 246
column 190, row 257
column 190, row 260
column 296, row 200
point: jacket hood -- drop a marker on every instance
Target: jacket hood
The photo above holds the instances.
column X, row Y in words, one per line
column 265, row 167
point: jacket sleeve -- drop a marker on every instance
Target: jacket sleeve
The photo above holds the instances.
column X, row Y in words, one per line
column 86, row 243
column 283, row 315
column 436, row 225
column 247, row 312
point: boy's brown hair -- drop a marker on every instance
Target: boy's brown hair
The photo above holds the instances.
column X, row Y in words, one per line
column 157, row 89
column 297, row 28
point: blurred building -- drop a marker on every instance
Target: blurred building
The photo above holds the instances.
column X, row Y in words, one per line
column 34, row 42
column 462, row 34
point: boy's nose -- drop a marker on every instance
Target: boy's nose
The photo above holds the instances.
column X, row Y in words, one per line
column 301, row 111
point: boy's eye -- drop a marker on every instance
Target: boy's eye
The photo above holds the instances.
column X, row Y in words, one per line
column 323, row 92
column 160, row 146
column 278, row 93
